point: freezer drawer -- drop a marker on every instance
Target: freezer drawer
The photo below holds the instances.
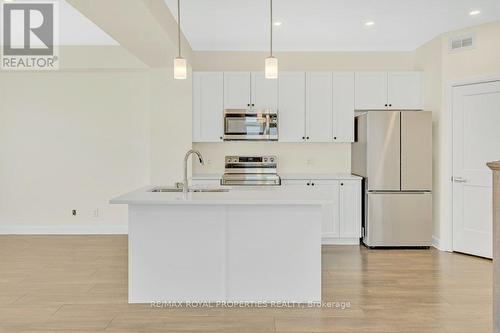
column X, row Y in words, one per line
column 398, row 219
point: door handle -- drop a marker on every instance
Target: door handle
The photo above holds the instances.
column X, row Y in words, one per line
column 459, row 180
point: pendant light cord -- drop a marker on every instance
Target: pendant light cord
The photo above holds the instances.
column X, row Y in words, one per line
column 179, row 25
column 271, row 3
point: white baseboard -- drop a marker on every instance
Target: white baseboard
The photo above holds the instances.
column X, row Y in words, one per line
column 109, row 229
column 339, row 241
column 436, row 243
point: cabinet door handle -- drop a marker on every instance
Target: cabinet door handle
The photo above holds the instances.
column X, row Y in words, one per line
column 307, row 138
column 303, row 138
column 386, row 105
column 253, row 104
column 308, row 184
column 334, row 138
column 249, row 105
column 312, row 184
column 390, row 105
column 220, row 137
column 341, row 184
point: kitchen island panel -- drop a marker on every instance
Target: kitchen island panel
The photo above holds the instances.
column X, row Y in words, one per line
column 274, row 254
column 176, row 254
column 214, row 253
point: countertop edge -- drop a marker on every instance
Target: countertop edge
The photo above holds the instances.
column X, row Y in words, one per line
column 494, row 165
column 291, row 176
column 142, row 196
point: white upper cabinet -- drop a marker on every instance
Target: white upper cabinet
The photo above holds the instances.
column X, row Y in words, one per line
column 343, row 107
column 312, row 106
column 405, row 91
column 393, row 90
column 237, row 87
column 292, row 106
column 371, row 90
column 319, row 107
column 208, row 106
column 244, row 90
column 264, row 92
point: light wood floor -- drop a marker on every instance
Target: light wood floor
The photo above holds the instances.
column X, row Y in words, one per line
column 66, row 283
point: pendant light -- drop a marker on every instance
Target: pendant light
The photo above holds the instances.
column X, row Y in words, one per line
column 180, row 65
column 271, row 64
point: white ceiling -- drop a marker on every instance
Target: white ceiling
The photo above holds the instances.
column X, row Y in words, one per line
column 326, row 25
column 76, row 29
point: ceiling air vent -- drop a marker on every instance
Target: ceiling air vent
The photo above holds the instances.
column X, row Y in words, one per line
column 459, row 43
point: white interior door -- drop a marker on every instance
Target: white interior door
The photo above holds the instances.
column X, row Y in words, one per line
column 476, row 140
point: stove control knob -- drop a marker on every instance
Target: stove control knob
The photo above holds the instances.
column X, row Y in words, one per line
column 265, row 159
column 272, row 160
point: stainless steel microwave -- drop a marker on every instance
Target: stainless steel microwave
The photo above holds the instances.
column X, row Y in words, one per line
column 251, row 125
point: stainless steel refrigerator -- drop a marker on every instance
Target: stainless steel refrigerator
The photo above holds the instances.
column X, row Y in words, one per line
column 393, row 153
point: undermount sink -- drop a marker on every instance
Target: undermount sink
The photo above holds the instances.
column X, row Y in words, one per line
column 195, row 190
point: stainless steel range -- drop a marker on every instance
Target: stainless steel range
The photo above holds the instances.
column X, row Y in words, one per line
column 251, row 171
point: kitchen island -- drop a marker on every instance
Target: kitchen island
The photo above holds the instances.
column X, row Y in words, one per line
column 244, row 245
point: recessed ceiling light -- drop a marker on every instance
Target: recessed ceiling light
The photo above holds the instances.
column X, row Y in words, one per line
column 369, row 23
column 475, row 12
column 278, row 23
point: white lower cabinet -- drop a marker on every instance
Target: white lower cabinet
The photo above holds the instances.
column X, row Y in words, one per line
column 330, row 225
column 350, row 208
column 342, row 220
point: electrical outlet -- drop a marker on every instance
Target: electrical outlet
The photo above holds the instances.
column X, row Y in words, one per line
column 96, row 212
column 73, row 212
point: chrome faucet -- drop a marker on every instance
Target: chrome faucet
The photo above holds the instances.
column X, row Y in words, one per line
column 185, row 187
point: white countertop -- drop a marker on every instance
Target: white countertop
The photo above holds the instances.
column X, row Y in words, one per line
column 294, row 176
column 282, row 195
column 318, row 176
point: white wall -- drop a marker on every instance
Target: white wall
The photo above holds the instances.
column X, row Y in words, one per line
column 304, row 61
column 171, row 129
column 441, row 70
column 71, row 140
column 103, row 125
column 428, row 60
column 293, row 157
